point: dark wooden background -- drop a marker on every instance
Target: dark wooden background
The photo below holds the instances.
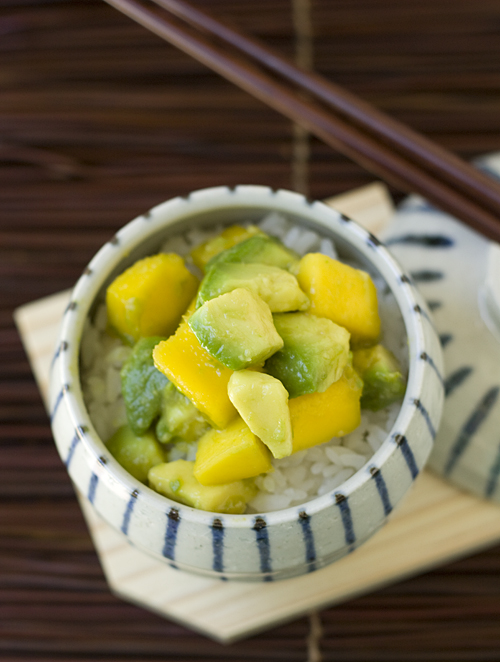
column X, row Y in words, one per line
column 99, row 120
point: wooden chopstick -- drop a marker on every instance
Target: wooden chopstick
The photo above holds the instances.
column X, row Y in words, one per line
column 406, row 141
column 449, row 183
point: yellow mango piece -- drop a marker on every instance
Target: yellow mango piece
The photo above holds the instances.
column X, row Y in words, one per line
column 343, row 294
column 195, row 373
column 176, row 481
column 317, row 417
column 149, row 297
column 226, row 239
column 225, row 456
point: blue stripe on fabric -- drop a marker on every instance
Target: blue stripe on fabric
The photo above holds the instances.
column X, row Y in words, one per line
column 345, row 512
column 94, row 479
column 474, row 422
column 218, row 546
column 262, row 537
column 427, row 276
column 308, row 536
column 173, row 521
column 423, row 240
column 427, row 418
column 128, row 512
column 428, row 359
column 74, row 443
column 408, row 455
column 494, row 474
column 456, row 378
column 445, row 338
column 382, row 490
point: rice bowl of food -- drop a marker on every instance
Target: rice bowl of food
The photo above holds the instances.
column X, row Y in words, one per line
column 245, row 383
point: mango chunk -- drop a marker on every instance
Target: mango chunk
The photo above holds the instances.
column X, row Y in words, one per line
column 149, row 297
column 226, row 239
column 232, row 454
column 343, row 294
column 176, row 481
column 196, row 374
column 262, row 402
column 317, row 417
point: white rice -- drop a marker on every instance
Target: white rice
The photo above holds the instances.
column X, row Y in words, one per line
column 298, row 478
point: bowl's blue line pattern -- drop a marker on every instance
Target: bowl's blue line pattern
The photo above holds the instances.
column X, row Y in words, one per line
column 218, row 545
column 72, row 447
column 58, row 401
column 128, row 511
column 308, row 536
column 345, row 512
column 94, row 480
column 173, row 523
column 456, row 378
column 426, row 276
column 473, row 423
column 425, row 357
column 422, row 240
column 417, row 309
column 493, row 477
column 262, row 538
column 381, row 489
column 445, row 339
column 62, row 347
column 408, row 455
column 418, row 404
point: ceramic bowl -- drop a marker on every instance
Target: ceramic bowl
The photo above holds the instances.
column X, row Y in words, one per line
column 259, row 547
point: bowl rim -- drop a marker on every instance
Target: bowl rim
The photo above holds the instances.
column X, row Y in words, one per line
column 177, row 210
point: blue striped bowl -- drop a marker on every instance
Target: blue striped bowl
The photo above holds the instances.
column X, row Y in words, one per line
column 273, row 545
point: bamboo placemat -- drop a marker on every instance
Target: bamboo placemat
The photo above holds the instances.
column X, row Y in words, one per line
column 100, row 120
column 436, row 523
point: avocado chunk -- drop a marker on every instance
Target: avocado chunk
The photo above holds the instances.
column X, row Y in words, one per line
column 142, row 385
column 277, row 287
column 381, row 373
column 137, row 454
column 176, row 481
column 259, row 248
column 262, row 402
column 314, row 354
column 227, row 238
column 236, row 328
column 179, row 420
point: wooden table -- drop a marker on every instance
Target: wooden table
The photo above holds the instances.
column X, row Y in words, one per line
column 101, row 120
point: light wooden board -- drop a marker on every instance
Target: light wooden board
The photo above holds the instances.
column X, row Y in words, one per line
column 435, row 524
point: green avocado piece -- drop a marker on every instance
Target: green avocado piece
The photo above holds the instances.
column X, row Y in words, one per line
column 262, row 402
column 259, row 248
column 277, row 287
column 381, row 373
column 176, row 481
column 142, row 385
column 137, row 454
column 179, row 420
column 236, row 328
column 314, row 354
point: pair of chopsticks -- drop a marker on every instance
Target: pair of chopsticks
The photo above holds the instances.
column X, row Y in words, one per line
column 385, row 147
